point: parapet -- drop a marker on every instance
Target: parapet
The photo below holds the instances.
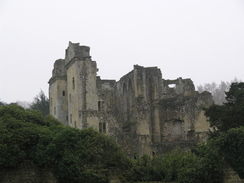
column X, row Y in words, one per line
column 58, row 68
column 75, row 51
column 59, row 71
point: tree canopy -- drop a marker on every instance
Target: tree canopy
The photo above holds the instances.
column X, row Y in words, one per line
column 217, row 90
column 229, row 122
column 231, row 113
column 75, row 155
column 231, row 145
column 41, row 103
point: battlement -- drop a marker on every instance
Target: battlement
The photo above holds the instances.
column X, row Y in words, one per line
column 76, row 52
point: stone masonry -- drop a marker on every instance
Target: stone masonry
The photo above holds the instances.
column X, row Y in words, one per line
column 143, row 111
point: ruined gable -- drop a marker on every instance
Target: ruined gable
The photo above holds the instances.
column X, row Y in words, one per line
column 142, row 110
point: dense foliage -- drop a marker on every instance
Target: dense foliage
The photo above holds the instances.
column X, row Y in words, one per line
column 204, row 165
column 231, row 114
column 2, row 103
column 228, row 123
column 231, row 148
column 75, row 155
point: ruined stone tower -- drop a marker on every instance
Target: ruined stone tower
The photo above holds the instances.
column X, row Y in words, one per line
column 73, row 92
column 141, row 110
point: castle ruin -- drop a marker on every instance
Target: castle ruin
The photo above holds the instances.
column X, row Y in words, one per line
column 144, row 112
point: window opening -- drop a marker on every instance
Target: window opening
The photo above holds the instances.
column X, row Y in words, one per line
column 172, row 85
column 104, row 127
column 73, row 83
column 70, row 118
column 100, row 127
column 99, row 105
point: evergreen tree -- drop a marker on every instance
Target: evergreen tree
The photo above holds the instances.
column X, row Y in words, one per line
column 217, row 90
column 230, row 114
column 41, row 103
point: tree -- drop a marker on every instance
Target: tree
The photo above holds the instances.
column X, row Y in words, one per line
column 235, row 96
column 203, row 165
column 2, row 103
column 230, row 114
column 20, row 131
column 84, row 155
column 41, row 103
column 23, row 104
column 231, row 148
column 74, row 155
column 217, row 90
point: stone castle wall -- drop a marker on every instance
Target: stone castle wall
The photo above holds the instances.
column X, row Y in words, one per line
column 142, row 110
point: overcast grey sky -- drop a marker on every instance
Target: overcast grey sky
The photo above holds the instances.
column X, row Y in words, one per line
column 198, row 39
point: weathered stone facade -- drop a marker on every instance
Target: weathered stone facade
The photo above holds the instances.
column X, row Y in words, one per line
column 146, row 113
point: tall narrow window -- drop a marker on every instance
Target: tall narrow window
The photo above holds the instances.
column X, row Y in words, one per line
column 63, row 93
column 54, row 110
column 102, row 106
column 73, row 83
column 100, row 127
column 70, row 118
column 75, row 123
column 104, row 127
column 99, row 106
